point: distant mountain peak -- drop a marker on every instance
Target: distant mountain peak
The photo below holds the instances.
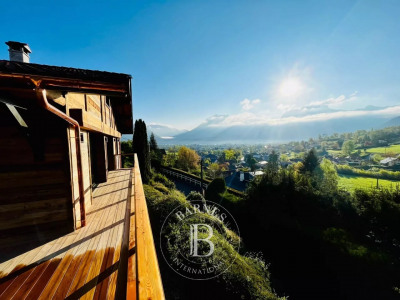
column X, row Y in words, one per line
column 392, row 122
column 162, row 130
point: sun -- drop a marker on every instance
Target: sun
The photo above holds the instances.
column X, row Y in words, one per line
column 290, row 87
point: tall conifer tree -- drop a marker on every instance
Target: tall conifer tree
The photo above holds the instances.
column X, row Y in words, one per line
column 153, row 143
column 141, row 147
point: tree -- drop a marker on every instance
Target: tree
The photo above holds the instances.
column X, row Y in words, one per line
column 251, row 161
column 330, row 179
column 153, row 143
column 310, row 162
column 126, row 148
column 214, row 170
column 193, row 195
column 141, row 147
column 229, row 154
column 169, row 159
column 188, row 159
column 284, row 157
column 347, row 147
column 155, row 153
column 215, row 189
column 273, row 164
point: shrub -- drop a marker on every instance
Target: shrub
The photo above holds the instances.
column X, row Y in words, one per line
column 215, row 188
column 342, row 239
column 384, row 174
column 247, row 278
column 164, row 180
column 160, row 187
column 153, row 196
column 193, row 195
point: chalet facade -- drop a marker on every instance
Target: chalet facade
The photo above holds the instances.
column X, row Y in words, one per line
column 60, row 135
column 60, row 131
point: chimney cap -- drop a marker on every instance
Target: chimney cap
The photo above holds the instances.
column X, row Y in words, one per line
column 17, row 45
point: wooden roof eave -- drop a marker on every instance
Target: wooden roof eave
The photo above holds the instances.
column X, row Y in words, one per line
column 120, row 91
column 75, row 85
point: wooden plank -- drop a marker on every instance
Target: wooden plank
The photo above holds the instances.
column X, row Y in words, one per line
column 68, row 257
column 98, row 117
column 149, row 277
column 97, row 255
column 113, row 278
column 64, row 265
column 101, row 250
column 84, row 267
column 86, row 169
column 38, row 259
column 32, row 206
column 32, row 178
column 102, row 288
column 30, row 281
column 33, row 193
column 34, row 218
column 75, row 100
column 131, row 288
column 57, row 277
column 81, row 256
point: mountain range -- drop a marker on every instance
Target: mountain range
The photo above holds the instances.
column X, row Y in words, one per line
column 291, row 127
column 161, row 132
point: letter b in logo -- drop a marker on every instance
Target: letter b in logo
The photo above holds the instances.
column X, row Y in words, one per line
column 194, row 240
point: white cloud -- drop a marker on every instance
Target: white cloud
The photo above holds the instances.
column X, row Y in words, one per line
column 249, row 104
column 334, row 102
column 287, row 107
column 249, row 118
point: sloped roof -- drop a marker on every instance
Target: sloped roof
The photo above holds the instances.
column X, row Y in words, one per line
column 115, row 85
column 387, row 160
column 15, row 67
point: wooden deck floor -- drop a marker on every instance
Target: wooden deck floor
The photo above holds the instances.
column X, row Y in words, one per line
column 83, row 264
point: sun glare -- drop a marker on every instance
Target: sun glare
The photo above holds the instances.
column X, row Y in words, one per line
column 290, row 87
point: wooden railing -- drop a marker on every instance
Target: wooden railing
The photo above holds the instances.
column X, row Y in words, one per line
column 144, row 278
column 193, row 178
column 186, row 177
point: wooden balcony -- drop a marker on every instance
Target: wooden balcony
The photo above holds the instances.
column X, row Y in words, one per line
column 112, row 257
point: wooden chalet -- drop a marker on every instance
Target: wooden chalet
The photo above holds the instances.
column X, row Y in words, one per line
column 73, row 222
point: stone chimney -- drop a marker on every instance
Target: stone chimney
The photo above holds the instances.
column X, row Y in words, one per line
column 18, row 51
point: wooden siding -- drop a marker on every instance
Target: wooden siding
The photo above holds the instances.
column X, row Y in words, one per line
column 92, row 113
column 74, row 177
column 34, row 178
column 86, row 172
column 87, row 181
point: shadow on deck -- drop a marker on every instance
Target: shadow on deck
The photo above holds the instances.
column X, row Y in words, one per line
column 112, row 257
column 84, row 263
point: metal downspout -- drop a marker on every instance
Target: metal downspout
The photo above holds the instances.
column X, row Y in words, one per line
column 43, row 102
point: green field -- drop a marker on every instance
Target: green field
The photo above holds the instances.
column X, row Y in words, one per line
column 383, row 150
column 350, row 183
column 376, row 150
column 335, row 152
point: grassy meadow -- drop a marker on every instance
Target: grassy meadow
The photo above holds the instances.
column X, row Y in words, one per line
column 383, row 150
column 351, row 183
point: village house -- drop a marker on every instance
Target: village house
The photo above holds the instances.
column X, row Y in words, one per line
column 66, row 204
column 390, row 161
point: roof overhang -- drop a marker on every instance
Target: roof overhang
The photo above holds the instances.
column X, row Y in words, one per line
column 24, row 77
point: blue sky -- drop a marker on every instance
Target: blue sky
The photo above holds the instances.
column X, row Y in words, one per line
column 242, row 60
